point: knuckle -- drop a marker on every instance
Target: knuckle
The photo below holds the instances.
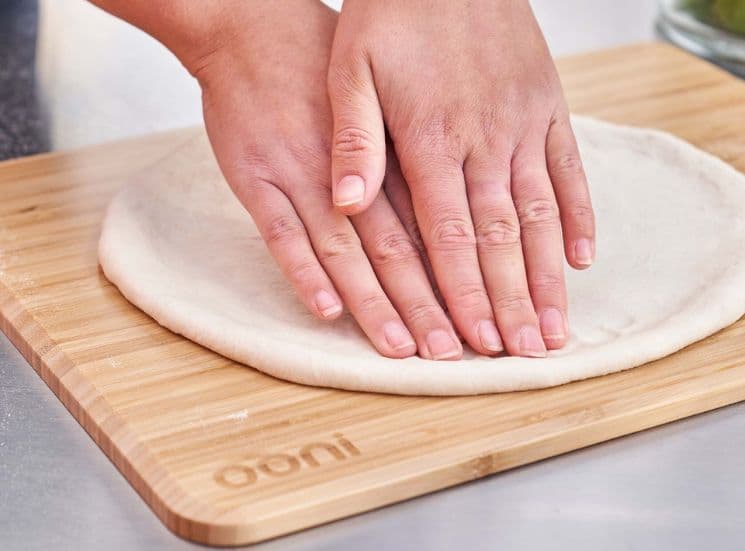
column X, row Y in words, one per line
column 251, row 156
column 490, row 119
column 251, row 170
column 498, row 231
column 312, row 151
column 353, row 142
column 434, row 135
column 493, row 121
column 282, row 228
column 302, row 272
column 512, row 302
column 393, row 247
column 372, row 303
column 451, row 232
column 547, row 283
column 582, row 214
column 538, row 214
column 337, row 245
column 421, row 310
column 438, row 126
column 567, row 166
column 470, row 295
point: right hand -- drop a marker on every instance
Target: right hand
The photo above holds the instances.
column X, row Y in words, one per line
column 269, row 120
column 468, row 93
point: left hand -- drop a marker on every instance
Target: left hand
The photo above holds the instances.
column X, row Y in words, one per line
column 267, row 114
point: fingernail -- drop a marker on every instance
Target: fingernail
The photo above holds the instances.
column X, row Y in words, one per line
column 531, row 343
column 349, row 191
column 397, row 335
column 327, row 305
column 441, row 345
column 552, row 324
column 583, row 252
column 489, row 336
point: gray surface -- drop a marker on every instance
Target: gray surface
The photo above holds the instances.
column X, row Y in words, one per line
column 676, row 487
column 22, row 126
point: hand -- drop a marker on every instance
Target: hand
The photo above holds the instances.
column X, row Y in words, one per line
column 472, row 102
column 268, row 117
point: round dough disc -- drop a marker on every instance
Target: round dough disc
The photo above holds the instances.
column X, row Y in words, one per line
column 670, row 270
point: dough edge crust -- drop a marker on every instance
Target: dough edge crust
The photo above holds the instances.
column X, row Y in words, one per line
column 719, row 305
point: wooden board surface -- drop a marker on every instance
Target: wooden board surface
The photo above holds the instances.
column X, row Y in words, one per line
column 226, row 455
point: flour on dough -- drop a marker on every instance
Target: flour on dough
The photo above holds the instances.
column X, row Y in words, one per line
column 670, row 270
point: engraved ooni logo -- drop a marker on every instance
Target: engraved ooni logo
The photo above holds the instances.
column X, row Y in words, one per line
column 276, row 465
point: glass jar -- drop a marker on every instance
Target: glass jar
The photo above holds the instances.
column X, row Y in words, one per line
column 714, row 29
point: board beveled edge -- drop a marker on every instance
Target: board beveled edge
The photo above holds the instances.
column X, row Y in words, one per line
column 198, row 521
column 52, row 365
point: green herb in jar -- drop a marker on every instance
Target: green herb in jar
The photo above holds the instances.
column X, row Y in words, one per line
column 725, row 14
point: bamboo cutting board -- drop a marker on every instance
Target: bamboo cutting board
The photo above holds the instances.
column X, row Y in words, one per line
column 226, row 455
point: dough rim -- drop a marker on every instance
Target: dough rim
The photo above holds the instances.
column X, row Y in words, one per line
column 720, row 304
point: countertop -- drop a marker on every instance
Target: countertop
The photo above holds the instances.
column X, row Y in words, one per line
column 89, row 78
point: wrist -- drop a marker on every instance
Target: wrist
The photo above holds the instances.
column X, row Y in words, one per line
column 197, row 33
column 257, row 43
column 177, row 24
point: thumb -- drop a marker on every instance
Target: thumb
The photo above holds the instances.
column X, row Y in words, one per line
column 358, row 146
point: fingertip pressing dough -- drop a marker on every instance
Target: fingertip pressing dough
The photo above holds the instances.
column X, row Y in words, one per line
column 670, row 270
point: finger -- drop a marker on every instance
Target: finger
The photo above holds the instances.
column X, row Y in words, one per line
column 397, row 192
column 439, row 198
column 497, row 230
column 288, row 242
column 399, row 267
column 339, row 250
column 572, row 194
column 541, row 241
column 358, row 147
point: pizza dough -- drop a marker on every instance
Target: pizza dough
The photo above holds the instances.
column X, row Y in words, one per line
column 670, row 270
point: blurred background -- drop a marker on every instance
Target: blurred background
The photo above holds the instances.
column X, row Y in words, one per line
column 71, row 75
